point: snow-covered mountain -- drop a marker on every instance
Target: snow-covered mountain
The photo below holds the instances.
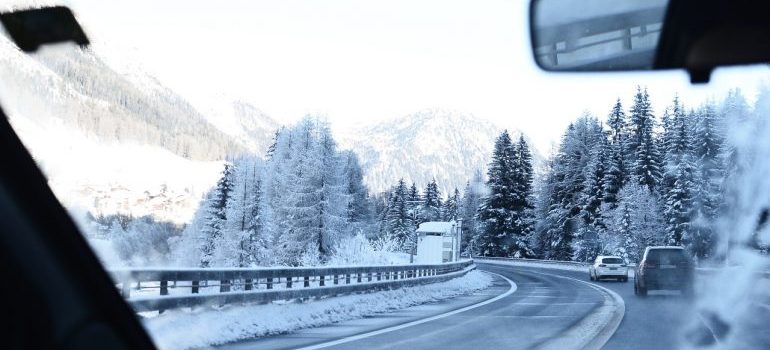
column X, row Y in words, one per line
column 115, row 140
column 245, row 123
column 434, row 143
column 120, row 142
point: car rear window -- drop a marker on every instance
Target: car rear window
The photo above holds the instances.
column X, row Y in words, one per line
column 612, row 261
column 666, row 256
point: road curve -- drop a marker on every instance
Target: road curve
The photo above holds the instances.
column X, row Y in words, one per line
column 544, row 307
column 655, row 322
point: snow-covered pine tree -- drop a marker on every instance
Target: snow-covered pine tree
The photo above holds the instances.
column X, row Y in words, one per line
column 677, row 186
column 642, row 146
column 431, row 206
column 524, row 210
column 617, row 123
column 499, row 235
column 414, row 203
column 592, row 197
column 414, row 194
column 560, row 215
column 312, row 210
column 244, row 242
column 679, row 202
column 617, row 167
column 382, row 216
column 449, row 210
column 587, row 244
column 359, row 207
column 279, row 179
column 320, row 211
column 468, row 208
column 399, row 222
column 216, row 215
column 707, row 150
column 736, row 114
column 273, row 146
column 636, row 222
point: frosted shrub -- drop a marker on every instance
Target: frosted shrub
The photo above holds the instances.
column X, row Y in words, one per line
column 357, row 250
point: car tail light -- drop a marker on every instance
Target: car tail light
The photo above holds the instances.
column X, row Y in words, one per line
column 602, row 265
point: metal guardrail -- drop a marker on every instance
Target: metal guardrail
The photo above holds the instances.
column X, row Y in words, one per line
column 263, row 285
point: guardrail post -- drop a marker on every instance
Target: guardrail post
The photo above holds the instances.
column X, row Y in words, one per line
column 336, row 279
column 321, row 280
column 247, row 284
column 163, row 291
column 224, row 286
column 307, row 281
column 347, row 278
column 627, row 39
column 195, row 286
column 369, row 277
column 379, row 276
column 358, row 278
column 288, row 282
column 269, row 283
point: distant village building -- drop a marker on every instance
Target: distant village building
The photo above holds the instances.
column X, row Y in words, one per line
column 438, row 242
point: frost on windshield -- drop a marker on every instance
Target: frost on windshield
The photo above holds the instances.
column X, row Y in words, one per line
column 737, row 296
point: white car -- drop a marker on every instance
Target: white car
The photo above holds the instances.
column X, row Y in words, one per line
column 607, row 266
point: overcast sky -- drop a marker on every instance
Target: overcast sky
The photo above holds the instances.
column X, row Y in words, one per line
column 360, row 61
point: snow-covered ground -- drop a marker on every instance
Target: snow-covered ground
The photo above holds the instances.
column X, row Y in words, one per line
column 88, row 174
column 181, row 329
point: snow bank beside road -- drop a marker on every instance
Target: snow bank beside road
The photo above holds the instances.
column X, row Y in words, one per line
column 183, row 330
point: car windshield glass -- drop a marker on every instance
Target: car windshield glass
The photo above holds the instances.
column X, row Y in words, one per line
column 282, row 174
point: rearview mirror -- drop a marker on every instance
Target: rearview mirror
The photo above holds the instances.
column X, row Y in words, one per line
column 32, row 28
column 626, row 35
column 596, row 35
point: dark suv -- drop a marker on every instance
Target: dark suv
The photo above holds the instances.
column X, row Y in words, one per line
column 664, row 268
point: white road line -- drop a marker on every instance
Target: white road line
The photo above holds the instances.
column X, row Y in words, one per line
column 510, row 291
column 584, row 335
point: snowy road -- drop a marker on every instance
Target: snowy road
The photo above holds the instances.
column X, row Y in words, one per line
column 545, row 306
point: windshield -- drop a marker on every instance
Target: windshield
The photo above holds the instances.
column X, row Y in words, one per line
column 282, row 174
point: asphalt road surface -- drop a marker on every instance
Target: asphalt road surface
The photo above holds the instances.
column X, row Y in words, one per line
column 544, row 305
